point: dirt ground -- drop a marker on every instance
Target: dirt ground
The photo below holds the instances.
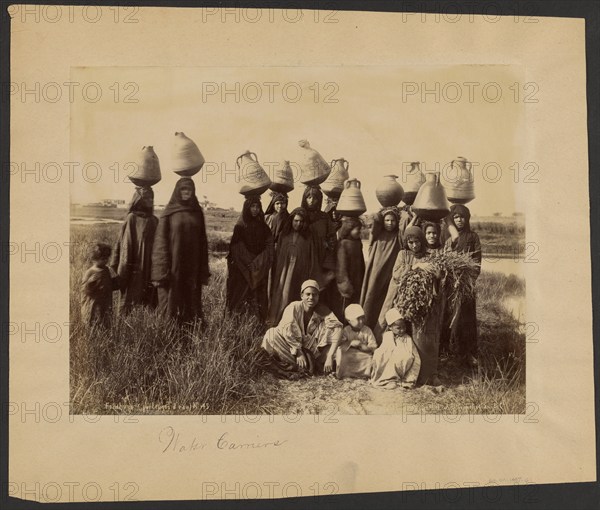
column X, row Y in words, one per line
column 328, row 396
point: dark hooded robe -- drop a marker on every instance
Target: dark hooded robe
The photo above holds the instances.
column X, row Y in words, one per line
column 132, row 255
column 383, row 250
column 180, row 256
column 295, row 262
column 350, row 269
column 464, row 329
column 323, row 234
column 276, row 220
column 249, row 262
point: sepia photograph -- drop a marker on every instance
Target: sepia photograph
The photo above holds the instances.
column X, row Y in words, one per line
column 278, row 253
column 307, row 240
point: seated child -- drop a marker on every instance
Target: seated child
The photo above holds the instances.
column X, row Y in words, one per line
column 97, row 286
column 356, row 346
column 396, row 360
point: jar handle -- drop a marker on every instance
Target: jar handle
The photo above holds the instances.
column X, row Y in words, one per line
column 237, row 161
column 253, row 154
column 357, row 183
column 346, row 164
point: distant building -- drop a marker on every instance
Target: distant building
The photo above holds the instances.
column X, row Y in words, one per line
column 113, row 202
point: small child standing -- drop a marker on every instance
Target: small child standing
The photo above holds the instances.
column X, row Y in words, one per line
column 396, row 360
column 356, row 346
column 97, row 286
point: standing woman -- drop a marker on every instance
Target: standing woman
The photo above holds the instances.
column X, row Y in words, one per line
column 132, row 256
column 294, row 263
column 463, row 240
column 180, row 255
column 350, row 267
column 384, row 246
column 323, row 235
column 277, row 214
column 249, row 261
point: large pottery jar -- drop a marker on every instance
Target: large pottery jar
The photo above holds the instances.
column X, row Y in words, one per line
column 254, row 180
column 283, row 179
column 389, row 192
column 431, row 203
column 334, row 184
column 412, row 179
column 187, row 159
column 314, row 167
column 459, row 182
column 351, row 201
column 148, row 170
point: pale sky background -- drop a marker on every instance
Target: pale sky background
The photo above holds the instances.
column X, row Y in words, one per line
column 372, row 125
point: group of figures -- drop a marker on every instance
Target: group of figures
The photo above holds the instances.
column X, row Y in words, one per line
column 302, row 274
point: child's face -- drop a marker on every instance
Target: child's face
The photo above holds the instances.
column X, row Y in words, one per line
column 414, row 244
column 101, row 262
column 431, row 236
column 399, row 327
column 459, row 221
column 390, row 223
column 357, row 323
column 355, row 233
column 311, row 201
column 279, row 206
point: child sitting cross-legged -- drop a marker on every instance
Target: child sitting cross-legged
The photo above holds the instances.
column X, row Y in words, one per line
column 354, row 352
column 396, row 360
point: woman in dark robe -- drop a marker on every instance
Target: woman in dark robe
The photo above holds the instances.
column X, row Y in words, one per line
column 249, row 261
column 384, row 246
column 277, row 214
column 294, row 263
column 132, row 256
column 323, row 234
column 180, row 255
column 350, row 267
column 463, row 240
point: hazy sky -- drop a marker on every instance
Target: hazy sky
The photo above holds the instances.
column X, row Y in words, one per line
column 380, row 122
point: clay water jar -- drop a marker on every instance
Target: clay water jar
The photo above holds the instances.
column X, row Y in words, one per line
column 313, row 166
column 389, row 192
column 413, row 179
column 431, row 203
column 351, row 202
column 459, row 182
column 283, row 179
column 254, row 180
column 334, row 184
column 187, row 160
column 148, row 170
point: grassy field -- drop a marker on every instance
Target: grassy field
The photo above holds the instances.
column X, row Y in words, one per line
column 146, row 365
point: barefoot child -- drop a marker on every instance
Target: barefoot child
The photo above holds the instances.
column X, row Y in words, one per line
column 355, row 350
column 396, row 360
column 97, row 286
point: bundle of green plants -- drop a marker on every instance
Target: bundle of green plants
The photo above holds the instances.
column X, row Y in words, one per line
column 450, row 274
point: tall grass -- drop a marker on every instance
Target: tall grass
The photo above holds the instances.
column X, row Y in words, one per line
column 145, row 363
